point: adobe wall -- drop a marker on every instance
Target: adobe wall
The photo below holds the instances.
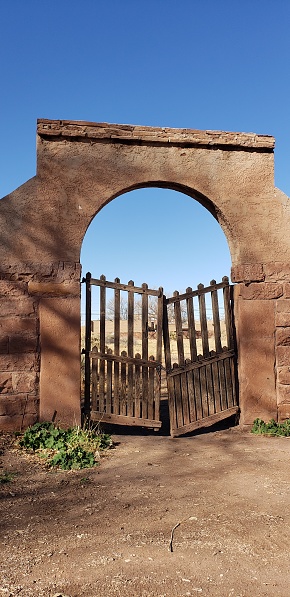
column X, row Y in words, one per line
column 81, row 167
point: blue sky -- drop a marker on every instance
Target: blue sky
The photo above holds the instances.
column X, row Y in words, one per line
column 202, row 64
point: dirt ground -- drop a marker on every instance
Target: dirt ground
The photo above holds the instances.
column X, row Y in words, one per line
column 106, row 531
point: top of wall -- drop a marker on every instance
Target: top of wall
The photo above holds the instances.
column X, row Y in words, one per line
column 152, row 135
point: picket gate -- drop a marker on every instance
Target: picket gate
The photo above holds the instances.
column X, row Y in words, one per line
column 123, row 386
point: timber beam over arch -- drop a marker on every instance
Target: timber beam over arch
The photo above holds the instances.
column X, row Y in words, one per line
column 81, row 166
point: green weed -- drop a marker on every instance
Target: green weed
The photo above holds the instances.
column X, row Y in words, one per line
column 72, row 448
column 6, row 477
column 271, row 428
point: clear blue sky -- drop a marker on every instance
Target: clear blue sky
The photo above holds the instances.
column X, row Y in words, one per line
column 202, row 64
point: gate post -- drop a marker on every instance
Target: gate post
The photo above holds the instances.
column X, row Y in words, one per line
column 255, row 325
column 87, row 398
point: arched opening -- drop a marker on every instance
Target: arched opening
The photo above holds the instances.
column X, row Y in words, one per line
column 162, row 238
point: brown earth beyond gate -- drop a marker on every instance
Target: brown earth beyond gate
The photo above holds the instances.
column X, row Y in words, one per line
column 123, row 386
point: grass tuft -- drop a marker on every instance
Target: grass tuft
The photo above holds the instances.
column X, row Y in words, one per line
column 6, row 477
column 67, row 449
column 271, row 428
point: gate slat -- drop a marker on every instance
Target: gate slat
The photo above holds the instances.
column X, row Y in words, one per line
column 229, row 386
column 130, row 348
column 191, row 326
column 216, row 387
column 151, row 390
column 145, row 392
column 166, row 337
column 94, row 379
column 102, row 315
column 138, row 393
column 101, row 368
column 123, row 397
column 179, row 331
column 178, row 399
column 191, row 396
column 216, row 318
column 210, row 392
column 234, row 385
column 228, row 316
column 88, row 336
column 170, row 380
column 109, row 403
column 185, row 399
column 145, row 351
column 222, row 380
column 157, row 392
column 203, row 321
column 102, row 344
column 159, row 325
column 198, row 393
column 117, row 301
column 203, row 391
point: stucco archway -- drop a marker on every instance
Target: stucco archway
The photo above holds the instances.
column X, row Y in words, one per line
column 81, row 167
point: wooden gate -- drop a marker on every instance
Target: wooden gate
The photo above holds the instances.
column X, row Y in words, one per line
column 122, row 384
column 202, row 384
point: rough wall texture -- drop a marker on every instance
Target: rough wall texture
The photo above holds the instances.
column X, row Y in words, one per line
column 31, row 296
column 81, row 167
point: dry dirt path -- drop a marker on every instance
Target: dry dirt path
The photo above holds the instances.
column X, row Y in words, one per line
column 105, row 532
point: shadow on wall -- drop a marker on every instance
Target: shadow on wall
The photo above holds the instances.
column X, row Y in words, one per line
column 39, row 318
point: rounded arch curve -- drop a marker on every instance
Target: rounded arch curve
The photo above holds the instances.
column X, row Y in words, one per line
column 193, row 193
column 167, row 226
column 174, row 186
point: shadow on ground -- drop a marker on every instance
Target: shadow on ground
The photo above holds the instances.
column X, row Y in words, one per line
column 165, row 429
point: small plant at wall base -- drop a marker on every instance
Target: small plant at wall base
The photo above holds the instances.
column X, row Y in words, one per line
column 6, row 477
column 271, row 428
column 72, row 448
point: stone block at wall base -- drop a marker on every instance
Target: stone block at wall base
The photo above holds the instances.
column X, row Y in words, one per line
column 283, row 375
column 283, row 412
column 283, row 393
column 255, row 324
column 256, row 411
column 22, row 405
column 17, row 422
